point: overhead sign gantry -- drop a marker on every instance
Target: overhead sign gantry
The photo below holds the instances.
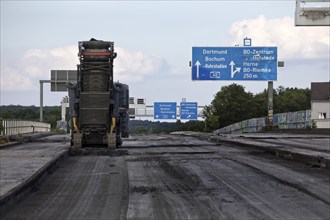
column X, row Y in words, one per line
column 312, row 13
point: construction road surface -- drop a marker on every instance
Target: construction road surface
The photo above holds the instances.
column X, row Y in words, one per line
column 178, row 177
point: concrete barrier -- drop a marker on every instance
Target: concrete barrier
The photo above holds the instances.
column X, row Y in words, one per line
column 12, row 127
column 288, row 120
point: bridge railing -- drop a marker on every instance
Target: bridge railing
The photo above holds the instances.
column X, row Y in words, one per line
column 288, row 120
column 12, row 127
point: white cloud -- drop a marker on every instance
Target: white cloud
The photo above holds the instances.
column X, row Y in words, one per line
column 292, row 42
column 12, row 80
column 179, row 71
column 134, row 66
column 39, row 62
column 36, row 64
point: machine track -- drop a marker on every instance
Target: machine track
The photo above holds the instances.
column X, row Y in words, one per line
column 112, row 141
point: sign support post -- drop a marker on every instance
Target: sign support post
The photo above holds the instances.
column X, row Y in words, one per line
column 42, row 98
column 270, row 104
column 58, row 83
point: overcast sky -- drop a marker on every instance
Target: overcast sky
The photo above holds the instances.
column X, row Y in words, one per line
column 154, row 41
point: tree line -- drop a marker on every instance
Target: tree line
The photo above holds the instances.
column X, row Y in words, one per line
column 51, row 114
column 233, row 104
column 230, row 105
column 150, row 127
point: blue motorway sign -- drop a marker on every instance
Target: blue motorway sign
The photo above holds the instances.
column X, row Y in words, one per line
column 234, row 63
column 165, row 110
column 188, row 110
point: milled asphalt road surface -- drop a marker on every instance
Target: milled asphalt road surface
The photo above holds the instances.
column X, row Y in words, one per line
column 179, row 177
column 21, row 162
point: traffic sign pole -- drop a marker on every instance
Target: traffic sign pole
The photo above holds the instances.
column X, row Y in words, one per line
column 270, row 104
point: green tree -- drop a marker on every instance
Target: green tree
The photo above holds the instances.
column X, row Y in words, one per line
column 232, row 104
column 260, row 101
column 291, row 99
column 1, row 126
column 211, row 119
column 6, row 114
column 31, row 113
column 51, row 116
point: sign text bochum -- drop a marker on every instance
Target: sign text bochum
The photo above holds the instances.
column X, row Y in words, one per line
column 234, row 63
column 165, row 110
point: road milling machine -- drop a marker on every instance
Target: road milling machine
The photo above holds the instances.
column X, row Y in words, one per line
column 98, row 105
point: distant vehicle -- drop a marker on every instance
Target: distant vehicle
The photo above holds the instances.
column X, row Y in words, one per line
column 98, row 106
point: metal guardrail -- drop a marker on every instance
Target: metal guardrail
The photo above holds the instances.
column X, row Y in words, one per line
column 12, row 127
